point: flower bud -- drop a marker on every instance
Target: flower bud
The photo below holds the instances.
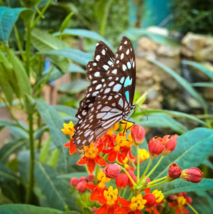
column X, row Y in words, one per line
column 150, row 200
column 122, row 181
column 188, row 200
column 155, row 147
column 112, row 170
column 74, row 181
column 81, row 186
column 172, row 198
column 180, row 194
column 83, row 179
column 169, row 144
column 174, row 172
column 91, row 177
column 193, row 174
column 138, row 134
column 133, row 176
column 91, row 183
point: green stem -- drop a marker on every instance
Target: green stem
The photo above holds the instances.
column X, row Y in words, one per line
column 162, row 182
column 124, row 191
column 28, row 51
column 155, row 166
column 96, row 174
column 30, row 189
column 192, row 208
column 129, row 197
column 147, row 167
column 138, row 164
column 153, row 182
column 19, row 42
column 41, row 14
column 134, row 184
column 39, row 125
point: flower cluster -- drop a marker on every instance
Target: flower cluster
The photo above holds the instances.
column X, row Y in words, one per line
column 111, row 162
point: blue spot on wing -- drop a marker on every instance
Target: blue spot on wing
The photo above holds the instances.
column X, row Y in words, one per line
column 127, row 95
column 127, row 82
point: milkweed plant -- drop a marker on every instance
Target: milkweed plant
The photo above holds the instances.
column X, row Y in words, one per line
column 116, row 184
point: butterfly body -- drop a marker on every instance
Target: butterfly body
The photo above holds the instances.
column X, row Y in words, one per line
column 109, row 98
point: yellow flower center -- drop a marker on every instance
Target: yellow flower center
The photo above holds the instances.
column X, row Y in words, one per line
column 143, row 154
column 91, row 151
column 137, row 203
column 114, row 128
column 181, row 201
column 111, row 195
column 159, row 196
column 127, row 125
column 119, row 139
column 102, row 178
column 68, row 128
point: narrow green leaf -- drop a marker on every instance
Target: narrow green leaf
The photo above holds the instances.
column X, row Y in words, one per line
column 208, row 163
column 21, row 75
column 87, row 210
column 55, row 124
column 182, row 82
column 202, row 84
column 8, row 123
column 44, row 151
column 74, row 174
column 24, row 165
column 7, row 174
column 180, row 185
column 66, row 22
column 54, row 158
column 200, row 67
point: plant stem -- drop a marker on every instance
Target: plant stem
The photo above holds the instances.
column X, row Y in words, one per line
column 138, row 164
column 192, row 208
column 28, row 51
column 124, row 191
column 129, row 197
column 134, row 184
column 153, row 182
column 162, row 182
column 147, row 167
column 19, row 42
column 96, row 174
column 30, row 189
column 155, row 166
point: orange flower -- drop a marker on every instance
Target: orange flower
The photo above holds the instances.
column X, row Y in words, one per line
column 71, row 146
column 91, row 157
column 98, row 189
column 181, row 201
column 133, row 207
column 109, row 200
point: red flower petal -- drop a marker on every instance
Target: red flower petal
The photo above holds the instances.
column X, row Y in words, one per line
column 101, row 199
column 72, row 147
column 99, row 160
column 82, row 161
column 138, row 212
column 67, row 144
column 100, row 147
column 172, row 205
column 121, row 157
column 123, row 201
column 90, row 186
column 177, row 211
column 91, row 165
column 149, row 210
column 131, row 155
column 102, row 210
column 155, row 210
column 184, row 210
column 112, row 156
column 147, row 190
column 125, row 151
column 111, row 210
column 95, row 194
column 122, row 210
column 107, row 151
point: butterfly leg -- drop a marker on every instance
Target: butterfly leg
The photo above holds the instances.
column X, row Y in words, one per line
column 127, row 128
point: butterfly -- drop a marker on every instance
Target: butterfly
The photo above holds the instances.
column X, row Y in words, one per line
column 109, row 98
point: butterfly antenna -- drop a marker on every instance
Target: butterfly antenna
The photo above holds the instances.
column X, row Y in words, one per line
column 142, row 111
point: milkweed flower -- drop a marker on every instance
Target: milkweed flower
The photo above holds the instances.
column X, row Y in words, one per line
column 138, row 134
column 121, row 181
column 193, row 174
column 143, row 155
column 174, row 172
column 134, row 207
column 112, row 170
column 178, row 205
column 170, row 143
column 91, row 157
column 155, row 147
column 109, row 200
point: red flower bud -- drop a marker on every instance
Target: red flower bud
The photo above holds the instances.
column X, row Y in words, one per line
column 91, row 182
column 169, row 144
column 81, row 186
column 172, row 198
column 188, row 200
column 91, row 177
column 74, row 181
column 83, row 179
column 133, row 176
column 122, row 181
column 174, row 172
column 150, row 200
column 184, row 194
column 180, row 194
column 138, row 134
column 155, row 147
column 112, row 170
column 193, row 174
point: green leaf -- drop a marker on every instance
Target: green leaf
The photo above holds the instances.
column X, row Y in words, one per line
column 8, row 123
column 192, row 149
column 66, row 22
column 75, row 68
column 74, row 86
column 164, row 121
column 9, row 149
column 26, row 209
column 208, row 163
column 7, row 174
column 200, row 67
column 173, row 113
column 74, row 174
column 44, row 151
column 55, row 124
column 29, row 104
column 87, row 210
column 73, row 54
column 44, row 41
column 24, row 165
column 55, row 190
column 84, row 33
column 54, row 158
column 21, row 75
column 182, row 82
column 202, row 84
column 180, row 185
column 8, row 17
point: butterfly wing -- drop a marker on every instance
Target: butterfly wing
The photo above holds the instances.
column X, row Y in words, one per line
column 97, row 74
column 105, row 112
